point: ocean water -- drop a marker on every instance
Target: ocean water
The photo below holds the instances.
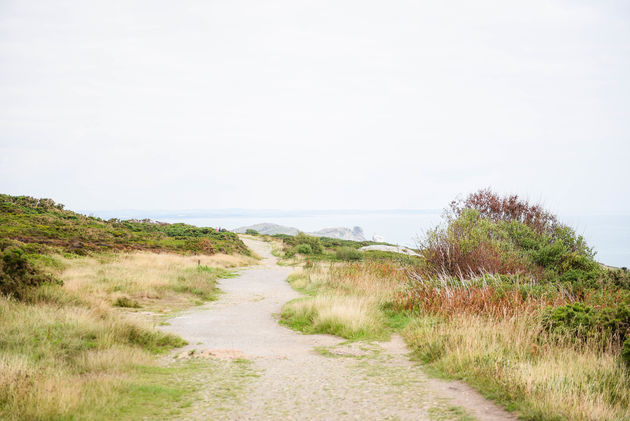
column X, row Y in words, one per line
column 608, row 234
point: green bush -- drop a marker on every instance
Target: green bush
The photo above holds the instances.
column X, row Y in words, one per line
column 289, row 253
column 304, row 249
column 250, row 231
column 583, row 322
column 313, row 242
column 17, row 273
column 488, row 233
column 348, row 253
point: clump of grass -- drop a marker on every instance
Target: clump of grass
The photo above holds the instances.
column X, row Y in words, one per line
column 346, row 298
column 199, row 281
column 348, row 253
column 491, row 295
column 126, row 302
column 350, row 317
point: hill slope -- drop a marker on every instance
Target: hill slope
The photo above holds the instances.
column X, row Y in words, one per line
column 44, row 224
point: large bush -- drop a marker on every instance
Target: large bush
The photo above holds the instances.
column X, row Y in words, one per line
column 17, row 273
column 304, row 249
column 313, row 242
column 487, row 233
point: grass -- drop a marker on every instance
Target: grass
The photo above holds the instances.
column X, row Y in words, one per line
column 342, row 299
column 507, row 355
column 157, row 282
column 350, row 317
column 447, row 413
column 65, row 350
column 507, row 361
column 55, row 355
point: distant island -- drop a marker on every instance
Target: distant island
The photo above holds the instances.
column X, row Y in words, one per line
column 342, row 233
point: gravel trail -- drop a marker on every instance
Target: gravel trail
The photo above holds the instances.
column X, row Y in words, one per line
column 308, row 377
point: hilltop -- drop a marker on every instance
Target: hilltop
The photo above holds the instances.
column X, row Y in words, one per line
column 45, row 225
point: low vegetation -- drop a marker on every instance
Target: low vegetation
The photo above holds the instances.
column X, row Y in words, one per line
column 504, row 296
column 296, row 249
column 41, row 225
column 78, row 301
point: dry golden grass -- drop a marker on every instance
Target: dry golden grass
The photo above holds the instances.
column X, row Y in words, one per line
column 55, row 358
column 151, row 279
column 506, row 358
column 351, row 317
column 377, row 280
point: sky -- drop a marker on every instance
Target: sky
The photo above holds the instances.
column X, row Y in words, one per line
column 292, row 104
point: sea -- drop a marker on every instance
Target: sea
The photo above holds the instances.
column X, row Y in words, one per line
column 607, row 233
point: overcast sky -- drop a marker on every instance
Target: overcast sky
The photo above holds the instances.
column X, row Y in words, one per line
column 315, row 104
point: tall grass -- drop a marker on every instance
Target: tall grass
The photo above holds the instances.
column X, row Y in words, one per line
column 54, row 358
column 491, row 295
column 511, row 360
column 155, row 281
column 350, row 317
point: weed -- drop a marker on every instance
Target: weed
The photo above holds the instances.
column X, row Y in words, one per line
column 126, row 302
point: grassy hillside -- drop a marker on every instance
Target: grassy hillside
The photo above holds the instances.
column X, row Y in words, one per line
column 79, row 298
column 46, row 225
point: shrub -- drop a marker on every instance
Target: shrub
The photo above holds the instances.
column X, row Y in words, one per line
column 583, row 322
column 250, row 231
column 304, row 249
column 348, row 253
column 486, row 233
column 313, row 242
column 508, row 208
column 17, row 274
column 289, row 253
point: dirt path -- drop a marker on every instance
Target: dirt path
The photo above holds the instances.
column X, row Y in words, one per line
column 310, row 377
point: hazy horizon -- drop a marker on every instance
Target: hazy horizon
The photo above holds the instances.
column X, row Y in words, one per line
column 606, row 232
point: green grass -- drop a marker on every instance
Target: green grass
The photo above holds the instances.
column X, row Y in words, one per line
column 200, row 282
column 56, row 351
column 161, row 392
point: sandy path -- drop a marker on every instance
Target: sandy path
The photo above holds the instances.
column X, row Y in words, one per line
column 311, row 377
